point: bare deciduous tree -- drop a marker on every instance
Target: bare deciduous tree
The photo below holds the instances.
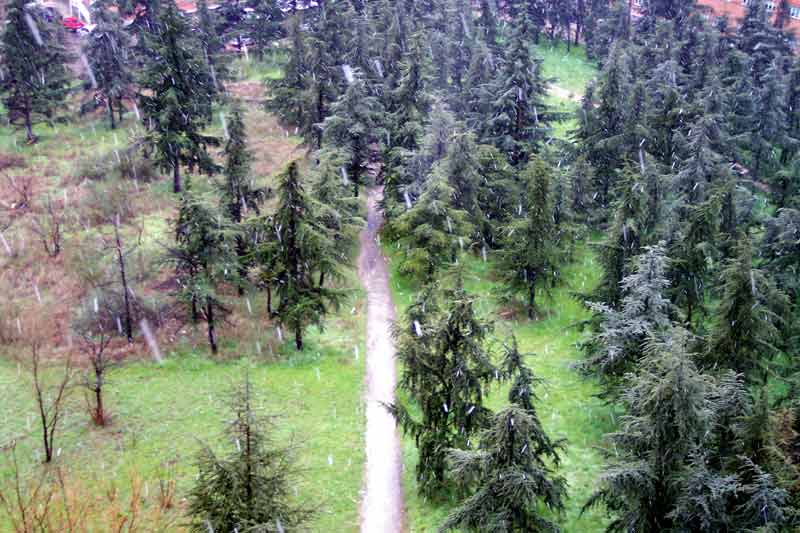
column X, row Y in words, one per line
column 100, row 363
column 49, row 225
column 51, row 392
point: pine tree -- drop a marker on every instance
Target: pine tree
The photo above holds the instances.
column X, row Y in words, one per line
column 238, row 193
column 511, row 473
column 768, row 131
column 335, row 208
column 107, row 50
column 644, row 313
column 303, row 248
column 353, row 126
column 325, row 74
column 287, row 96
column 529, row 258
column 430, row 231
column 34, row 82
column 678, row 459
column 250, row 488
column 518, row 120
column 690, row 252
column 176, row 100
column 263, row 24
column 747, row 330
column 204, row 257
column 625, row 237
column 446, row 369
column 488, row 24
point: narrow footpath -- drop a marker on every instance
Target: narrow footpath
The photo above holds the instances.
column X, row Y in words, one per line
column 382, row 500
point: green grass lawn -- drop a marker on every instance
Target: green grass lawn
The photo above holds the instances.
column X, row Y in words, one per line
column 568, row 406
column 163, row 413
column 571, row 69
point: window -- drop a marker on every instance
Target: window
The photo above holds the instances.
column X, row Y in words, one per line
column 794, row 12
column 770, row 6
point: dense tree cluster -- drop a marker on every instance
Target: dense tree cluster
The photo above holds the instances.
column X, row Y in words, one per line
column 681, row 174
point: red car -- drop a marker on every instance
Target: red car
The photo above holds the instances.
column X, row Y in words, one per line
column 72, row 23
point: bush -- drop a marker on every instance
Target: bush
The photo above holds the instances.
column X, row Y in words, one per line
column 104, row 310
column 129, row 163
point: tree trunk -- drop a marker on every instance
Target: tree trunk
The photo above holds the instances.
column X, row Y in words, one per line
column 99, row 413
column 124, row 279
column 298, row 337
column 531, row 296
column 120, row 109
column 176, row 174
column 29, row 128
column 111, row 114
column 195, row 314
column 269, row 301
column 321, row 278
column 240, row 252
column 212, row 337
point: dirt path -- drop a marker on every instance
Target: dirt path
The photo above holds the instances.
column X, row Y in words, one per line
column 382, row 501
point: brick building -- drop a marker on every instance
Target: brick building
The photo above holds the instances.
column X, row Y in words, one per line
column 736, row 10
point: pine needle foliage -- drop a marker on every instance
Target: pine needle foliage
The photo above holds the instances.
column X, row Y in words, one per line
column 447, row 367
column 250, row 488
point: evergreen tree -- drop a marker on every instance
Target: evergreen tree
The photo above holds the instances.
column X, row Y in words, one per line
column 768, row 130
column 177, row 99
column 250, row 488
column 488, row 24
column 747, row 330
column 300, row 248
column 34, row 82
column 353, row 126
column 264, row 24
column 107, row 49
column 518, row 120
column 625, row 237
column 690, row 251
column 430, row 231
column 667, row 470
column 204, row 258
column 510, row 475
column 238, row 193
column 287, row 96
column 446, row 369
column 529, row 258
column 644, row 313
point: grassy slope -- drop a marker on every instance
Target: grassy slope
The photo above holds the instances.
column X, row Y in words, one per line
column 162, row 413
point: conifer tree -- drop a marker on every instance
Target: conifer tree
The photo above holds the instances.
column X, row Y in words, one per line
column 511, row 474
column 625, row 237
column 672, row 466
column 238, row 193
column 34, row 82
column 518, row 119
column 430, row 231
column 303, row 248
column 263, row 25
column 204, row 257
column 747, row 330
column 107, row 50
column 287, row 96
column 176, row 100
column 353, row 126
column 644, row 313
column 249, row 489
column 446, row 369
column 690, row 252
column 529, row 258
